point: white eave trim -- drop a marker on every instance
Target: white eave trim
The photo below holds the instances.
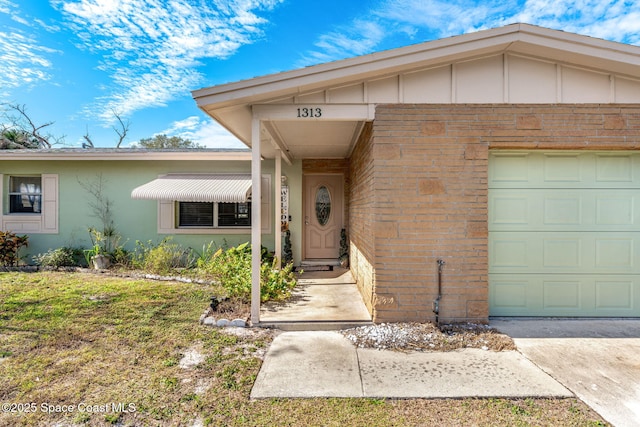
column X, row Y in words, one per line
column 110, row 155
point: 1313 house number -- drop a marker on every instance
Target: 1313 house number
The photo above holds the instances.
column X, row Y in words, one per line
column 309, row 112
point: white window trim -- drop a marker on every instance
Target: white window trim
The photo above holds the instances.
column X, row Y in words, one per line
column 45, row 222
column 167, row 223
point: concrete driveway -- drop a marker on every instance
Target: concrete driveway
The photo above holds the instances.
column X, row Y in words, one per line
column 598, row 360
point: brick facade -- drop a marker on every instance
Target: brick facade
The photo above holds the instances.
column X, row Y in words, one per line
column 418, row 193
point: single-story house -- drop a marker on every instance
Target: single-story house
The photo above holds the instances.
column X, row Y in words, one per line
column 506, row 158
column 508, row 154
column 50, row 196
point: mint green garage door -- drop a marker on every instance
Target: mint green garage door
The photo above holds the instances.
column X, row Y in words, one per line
column 564, row 234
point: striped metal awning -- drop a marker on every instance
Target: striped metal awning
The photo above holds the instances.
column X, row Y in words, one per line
column 217, row 188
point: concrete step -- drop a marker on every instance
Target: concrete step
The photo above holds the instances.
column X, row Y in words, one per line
column 314, row 325
column 319, row 262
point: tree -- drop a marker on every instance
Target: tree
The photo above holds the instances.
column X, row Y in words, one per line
column 20, row 131
column 121, row 132
column 164, row 141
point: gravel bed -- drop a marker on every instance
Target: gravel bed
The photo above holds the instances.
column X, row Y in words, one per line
column 428, row 337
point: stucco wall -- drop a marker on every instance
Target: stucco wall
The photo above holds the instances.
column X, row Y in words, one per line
column 429, row 169
column 137, row 219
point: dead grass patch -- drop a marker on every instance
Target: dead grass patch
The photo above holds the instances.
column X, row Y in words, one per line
column 80, row 339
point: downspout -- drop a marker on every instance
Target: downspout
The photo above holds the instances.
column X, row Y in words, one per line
column 436, row 302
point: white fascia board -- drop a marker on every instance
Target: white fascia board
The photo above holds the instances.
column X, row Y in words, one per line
column 137, row 156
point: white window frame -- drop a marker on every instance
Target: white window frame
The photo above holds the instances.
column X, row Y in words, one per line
column 43, row 222
column 36, row 194
column 168, row 216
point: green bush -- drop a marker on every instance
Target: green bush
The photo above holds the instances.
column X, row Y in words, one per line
column 276, row 284
column 162, row 258
column 232, row 267
column 61, row 257
column 10, row 245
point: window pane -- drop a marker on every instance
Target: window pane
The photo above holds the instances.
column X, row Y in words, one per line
column 234, row 214
column 25, row 194
column 323, row 205
column 195, row 214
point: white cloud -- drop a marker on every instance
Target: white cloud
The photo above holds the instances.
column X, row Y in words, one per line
column 6, row 6
column 153, row 47
column 22, row 61
column 204, row 132
column 617, row 20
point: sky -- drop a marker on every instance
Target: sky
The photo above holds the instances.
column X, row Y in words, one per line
column 79, row 63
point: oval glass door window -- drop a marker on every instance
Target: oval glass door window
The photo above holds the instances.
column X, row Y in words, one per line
column 323, row 205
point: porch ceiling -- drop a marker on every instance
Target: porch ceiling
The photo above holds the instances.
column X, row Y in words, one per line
column 308, row 140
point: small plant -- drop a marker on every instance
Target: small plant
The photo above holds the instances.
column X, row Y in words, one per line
column 56, row 258
column 10, row 245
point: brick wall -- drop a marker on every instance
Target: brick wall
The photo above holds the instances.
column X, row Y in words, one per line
column 361, row 215
column 431, row 203
column 419, row 193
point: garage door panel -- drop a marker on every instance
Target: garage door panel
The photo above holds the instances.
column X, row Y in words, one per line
column 564, row 210
column 564, row 252
column 559, row 295
column 520, row 169
column 564, row 233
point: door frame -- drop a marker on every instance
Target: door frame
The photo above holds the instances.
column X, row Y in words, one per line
column 304, row 203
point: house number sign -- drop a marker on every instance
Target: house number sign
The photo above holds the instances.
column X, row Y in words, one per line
column 309, row 112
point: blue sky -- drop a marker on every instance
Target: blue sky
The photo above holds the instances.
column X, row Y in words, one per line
column 76, row 62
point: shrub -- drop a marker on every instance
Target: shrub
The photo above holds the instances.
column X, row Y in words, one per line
column 61, row 257
column 120, row 256
column 10, row 245
column 162, row 258
column 232, row 267
column 276, row 284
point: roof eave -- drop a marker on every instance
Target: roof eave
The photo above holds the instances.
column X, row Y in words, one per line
column 124, row 155
column 513, row 37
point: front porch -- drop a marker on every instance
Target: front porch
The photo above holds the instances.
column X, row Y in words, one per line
column 322, row 300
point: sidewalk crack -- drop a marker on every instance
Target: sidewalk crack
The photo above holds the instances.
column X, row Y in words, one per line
column 362, row 393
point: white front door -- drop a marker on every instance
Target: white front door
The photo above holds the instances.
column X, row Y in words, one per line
column 323, row 216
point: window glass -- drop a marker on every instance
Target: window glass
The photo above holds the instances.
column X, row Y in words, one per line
column 234, row 214
column 323, row 205
column 202, row 214
column 25, row 194
column 195, row 214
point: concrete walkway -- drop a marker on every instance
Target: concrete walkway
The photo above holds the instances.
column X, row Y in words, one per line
column 597, row 359
column 326, row 364
column 322, row 300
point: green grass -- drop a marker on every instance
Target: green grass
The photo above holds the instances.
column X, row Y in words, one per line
column 76, row 338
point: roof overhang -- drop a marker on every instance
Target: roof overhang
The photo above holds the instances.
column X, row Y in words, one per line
column 125, row 154
column 217, row 188
column 231, row 104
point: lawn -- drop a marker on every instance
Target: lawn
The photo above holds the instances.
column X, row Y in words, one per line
column 89, row 349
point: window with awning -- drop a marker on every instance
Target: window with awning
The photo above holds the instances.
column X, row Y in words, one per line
column 193, row 203
column 215, row 188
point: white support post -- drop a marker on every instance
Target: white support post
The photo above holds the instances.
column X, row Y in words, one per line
column 256, row 215
column 278, row 208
